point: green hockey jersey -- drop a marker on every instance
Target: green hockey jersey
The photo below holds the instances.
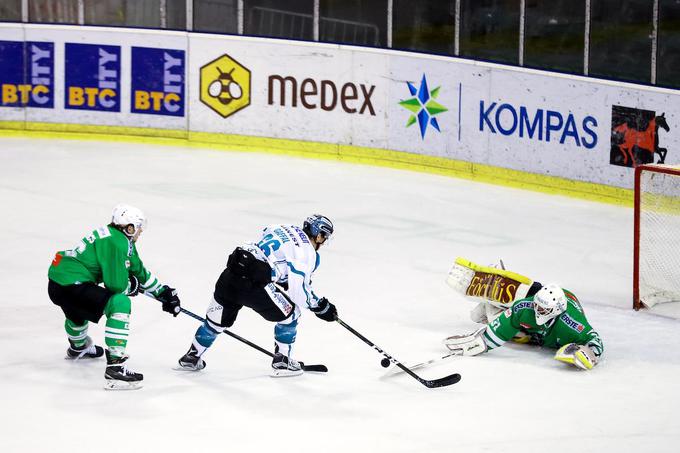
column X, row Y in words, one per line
column 569, row 327
column 105, row 256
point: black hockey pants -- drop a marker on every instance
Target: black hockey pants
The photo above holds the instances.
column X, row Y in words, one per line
column 80, row 303
column 247, row 282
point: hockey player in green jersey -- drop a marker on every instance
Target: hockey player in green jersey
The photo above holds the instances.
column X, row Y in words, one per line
column 545, row 315
column 108, row 256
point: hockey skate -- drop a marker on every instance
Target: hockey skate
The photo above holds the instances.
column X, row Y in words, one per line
column 283, row 366
column 117, row 375
column 191, row 361
column 88, row 351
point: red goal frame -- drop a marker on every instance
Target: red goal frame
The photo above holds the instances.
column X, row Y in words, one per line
column 636, row 224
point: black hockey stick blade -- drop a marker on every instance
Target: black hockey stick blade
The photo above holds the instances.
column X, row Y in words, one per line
column 441, row 382
column 315, row 368
column 431, row 383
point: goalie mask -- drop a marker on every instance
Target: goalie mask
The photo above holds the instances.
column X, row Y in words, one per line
column 128, row 219
column 549, row 302
column 317, row 224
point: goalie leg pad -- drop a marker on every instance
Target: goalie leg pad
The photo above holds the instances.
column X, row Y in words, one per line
column 459, row 277
column 472, row 344
column 486, row 283
column 478, row 314
column 485, row 312
column 493, row 311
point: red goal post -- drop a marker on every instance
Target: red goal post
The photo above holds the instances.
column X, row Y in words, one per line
column 656, row 250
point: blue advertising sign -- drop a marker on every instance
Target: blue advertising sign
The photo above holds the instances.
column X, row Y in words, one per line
column 538, row 124
column 157, row 81
column 26, row 74
column 92, row 77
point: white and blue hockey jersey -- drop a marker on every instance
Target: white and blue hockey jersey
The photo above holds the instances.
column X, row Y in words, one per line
column 292, row 258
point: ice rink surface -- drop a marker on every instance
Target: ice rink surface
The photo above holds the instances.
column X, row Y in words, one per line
column 397, row 233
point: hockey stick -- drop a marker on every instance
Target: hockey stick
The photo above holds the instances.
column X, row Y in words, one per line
column 315, row 368
column 395, row 371
column 441, row 382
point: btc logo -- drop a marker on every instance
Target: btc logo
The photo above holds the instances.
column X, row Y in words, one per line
column 225, row 86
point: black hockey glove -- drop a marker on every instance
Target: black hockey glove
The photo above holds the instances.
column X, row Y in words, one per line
column 170, row 300
column 325, row 310
column 133, row 286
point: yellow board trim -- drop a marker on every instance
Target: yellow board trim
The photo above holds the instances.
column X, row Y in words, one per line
column 660, row 203
column 316, row 150
column 492, row 270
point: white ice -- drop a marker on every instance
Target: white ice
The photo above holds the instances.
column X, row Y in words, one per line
column 397, row 233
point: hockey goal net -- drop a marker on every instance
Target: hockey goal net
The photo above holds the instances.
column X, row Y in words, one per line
column 656, row 271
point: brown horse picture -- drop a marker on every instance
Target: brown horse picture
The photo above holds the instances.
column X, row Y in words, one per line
column 637, row 147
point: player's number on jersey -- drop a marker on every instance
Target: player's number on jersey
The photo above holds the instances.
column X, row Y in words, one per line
column 268, row 244
column 99, row 233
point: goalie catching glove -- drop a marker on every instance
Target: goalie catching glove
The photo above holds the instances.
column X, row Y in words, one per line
column 580, row 356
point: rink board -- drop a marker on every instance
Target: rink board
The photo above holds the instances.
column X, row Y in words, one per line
column 478, row 120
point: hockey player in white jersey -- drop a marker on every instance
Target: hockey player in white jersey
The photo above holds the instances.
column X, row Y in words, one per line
column 273, row 277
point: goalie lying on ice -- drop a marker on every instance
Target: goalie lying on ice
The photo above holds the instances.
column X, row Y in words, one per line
column 514, row 307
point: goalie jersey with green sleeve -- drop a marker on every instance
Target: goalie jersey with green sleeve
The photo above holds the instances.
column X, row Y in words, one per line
column 105, row 256
column 569, row 327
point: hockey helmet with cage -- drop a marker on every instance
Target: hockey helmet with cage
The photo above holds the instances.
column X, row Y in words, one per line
column 549, row 302
column 125, row 215
column 318, row 224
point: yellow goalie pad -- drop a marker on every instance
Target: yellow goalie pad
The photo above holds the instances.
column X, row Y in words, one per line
column 500, row 287
column 492, row 270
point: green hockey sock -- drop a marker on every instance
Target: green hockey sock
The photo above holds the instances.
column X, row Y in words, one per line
column 117, row 325
column 77, row 334
column 116, row 334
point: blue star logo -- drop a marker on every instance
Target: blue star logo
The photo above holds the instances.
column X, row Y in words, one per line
column 423, row 106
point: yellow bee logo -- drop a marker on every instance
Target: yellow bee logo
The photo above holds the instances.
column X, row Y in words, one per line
column 225, row 86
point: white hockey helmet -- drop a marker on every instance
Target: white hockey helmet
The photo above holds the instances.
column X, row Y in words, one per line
column 129, row 219
column 549, row 302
